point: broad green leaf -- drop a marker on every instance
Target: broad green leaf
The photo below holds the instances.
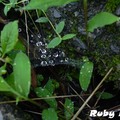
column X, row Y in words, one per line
column 54, row 42
column 42, row 92
column 69, row 109
column 100, row 20
column 42, row 20
column 4, row 86
column 49, row 114
column 105, row 95
column 22, row 74
column 18, row 47
column 68, row 36
column 45, row 4
column 85, row 75
column 50, row 86
column 60, row 27
column 7, row 8
column 9, row 36
column 10, row 80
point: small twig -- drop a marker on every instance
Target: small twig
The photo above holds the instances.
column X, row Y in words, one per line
column 79, row 96
column 81, row 108
column 52, row 97
column 26, row 26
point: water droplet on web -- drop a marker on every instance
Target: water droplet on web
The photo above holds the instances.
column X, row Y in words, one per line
column 49, row 55
column 43, row 51
column 51, row 62
column 66, row 59
column 39, row 36
column 62, row 54
column 61, row 61
column 55, row 54
column 31, row 35
column 19, row 29
column 44, row 63
column 32, row 41
column 46, row 44
column 43, row 56
column 39, row 43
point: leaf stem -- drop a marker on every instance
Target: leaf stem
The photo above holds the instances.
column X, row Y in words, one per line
column 52, row 25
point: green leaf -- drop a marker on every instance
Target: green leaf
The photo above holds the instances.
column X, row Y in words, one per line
column 68, row 36
column 50, row 86
column 54, row 42
column 49, row 114
column 7, row 8
column 60, row 27
column 3, row 70
column 85, row 75
column 9, row 36
column 105, row 95
column 42, row 92
column 42, row 20
column 69, row 109
column 22, row 74
column 4, row 86
column 45, row 4
column 100, row 20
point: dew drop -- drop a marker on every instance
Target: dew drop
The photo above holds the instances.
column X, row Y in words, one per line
column 31, row 35
column 19, row 30
column 43, row 51
column 43, row 56
column 55, row 54
column 39, row 36
column 44, row 63
column 39, row 43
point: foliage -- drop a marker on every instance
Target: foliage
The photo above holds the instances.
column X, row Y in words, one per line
column 18, row 82
column 9, row 39
column 100, row 20
column 111, row 5
column 105, row 95
column 49, row 113
column 69, row 108
column 44, row 5
column 85, row 75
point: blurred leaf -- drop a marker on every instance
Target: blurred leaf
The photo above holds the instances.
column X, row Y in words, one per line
column 22, row 74
column 49, row 114
column 3, row 70
column 7, row 8
column 42, row 20
column 54, row 42
column 69, row 109
column 10, row 80
column 50, row 86
column 60, row 27
column 42, row 92
column 4, row 86
column 68, row 36
column 105, row 95
column 9, row 36
column 45, row 4
column 18, row 47
column 85, row 75
column 100, row 20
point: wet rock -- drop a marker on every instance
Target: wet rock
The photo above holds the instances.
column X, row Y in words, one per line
column 12, row 112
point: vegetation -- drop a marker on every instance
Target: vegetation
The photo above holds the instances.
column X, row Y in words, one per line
column 16, row 67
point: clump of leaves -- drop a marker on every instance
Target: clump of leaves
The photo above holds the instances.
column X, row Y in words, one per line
column 15, row 83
